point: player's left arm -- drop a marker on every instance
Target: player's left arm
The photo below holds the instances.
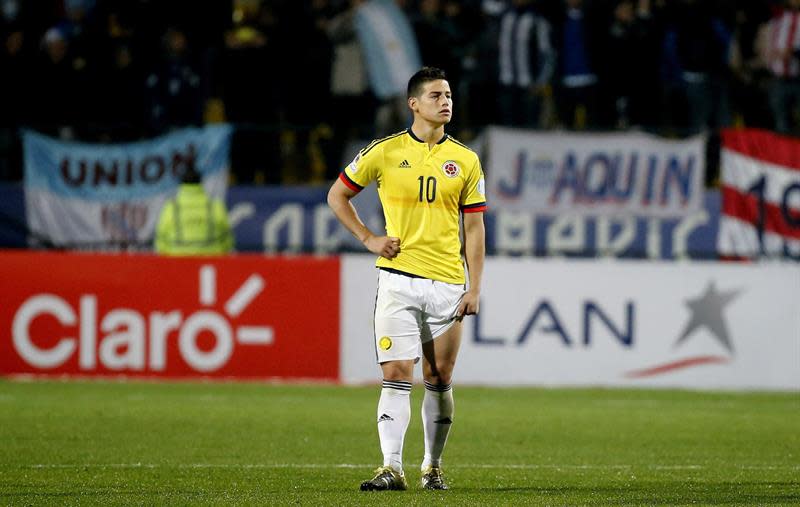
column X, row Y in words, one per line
column 475, row 252
column 473, row 204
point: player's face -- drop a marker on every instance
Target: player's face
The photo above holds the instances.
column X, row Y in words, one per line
column 435, row 103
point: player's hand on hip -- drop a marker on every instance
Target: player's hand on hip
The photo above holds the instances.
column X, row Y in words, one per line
column 384, row 246
column 469, row 304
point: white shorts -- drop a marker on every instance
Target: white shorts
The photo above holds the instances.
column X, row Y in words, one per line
column 411, row 311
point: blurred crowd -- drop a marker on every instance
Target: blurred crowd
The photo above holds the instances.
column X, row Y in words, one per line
column 292, row 76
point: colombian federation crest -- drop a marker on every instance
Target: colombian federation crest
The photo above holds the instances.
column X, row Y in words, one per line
column 451, row 169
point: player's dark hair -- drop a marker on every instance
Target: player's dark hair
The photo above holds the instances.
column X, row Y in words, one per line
column 422, row 76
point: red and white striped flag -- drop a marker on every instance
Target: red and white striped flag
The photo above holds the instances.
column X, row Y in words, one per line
column 760, row 195
column 784, row 34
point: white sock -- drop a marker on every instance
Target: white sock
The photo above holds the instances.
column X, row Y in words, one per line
column 394, row 413
column 437, row 417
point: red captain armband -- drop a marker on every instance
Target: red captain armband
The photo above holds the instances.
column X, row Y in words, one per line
column 352, row 185
column 474, row 208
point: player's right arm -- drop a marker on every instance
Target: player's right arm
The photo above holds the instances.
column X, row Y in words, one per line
column 339, row 197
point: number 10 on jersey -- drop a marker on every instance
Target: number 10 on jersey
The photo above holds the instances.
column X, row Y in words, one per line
column 427, row 188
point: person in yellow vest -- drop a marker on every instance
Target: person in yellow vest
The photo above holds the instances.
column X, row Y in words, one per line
column 192, row 223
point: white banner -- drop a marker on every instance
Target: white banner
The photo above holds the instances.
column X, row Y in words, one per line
column 612, row 323
column 595, row 174
column 99, row 196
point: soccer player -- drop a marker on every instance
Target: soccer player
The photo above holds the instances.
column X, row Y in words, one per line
column 426, row 181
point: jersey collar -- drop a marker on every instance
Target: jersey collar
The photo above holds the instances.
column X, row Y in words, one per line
column 417, row 139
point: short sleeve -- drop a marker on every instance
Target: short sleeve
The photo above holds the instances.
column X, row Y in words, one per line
column 473, row 196
column 363, row 170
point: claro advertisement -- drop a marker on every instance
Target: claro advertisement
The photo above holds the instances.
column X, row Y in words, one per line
column 146, row 316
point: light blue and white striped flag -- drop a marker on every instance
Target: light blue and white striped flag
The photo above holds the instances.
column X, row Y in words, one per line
column 390, row 47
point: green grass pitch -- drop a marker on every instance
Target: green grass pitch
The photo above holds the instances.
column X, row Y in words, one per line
column 140, row 443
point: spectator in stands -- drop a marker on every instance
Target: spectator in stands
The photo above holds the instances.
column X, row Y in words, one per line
column 783, row 53
column 526, row 63
column 703, row 43
column 58, row 84
column 437, row 36
column 749, row 86
column 80, row 27
column 122, row 95
column 305, row 89
column 173, row 87
column 388, row 49
column 443, row 34
column 463, row 22
column 192, row 223
column 480, row 64
column 88, row 45
column 350, row 94
column 15, row 66
column 391, row 55
column 629, row 75
column 251, row 93
column 579, row 44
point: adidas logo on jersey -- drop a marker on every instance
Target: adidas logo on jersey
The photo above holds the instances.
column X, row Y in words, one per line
column 404, row 164
column 385, row 417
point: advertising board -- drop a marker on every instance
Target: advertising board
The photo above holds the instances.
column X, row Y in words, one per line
column 609, row 323
column 147, row 316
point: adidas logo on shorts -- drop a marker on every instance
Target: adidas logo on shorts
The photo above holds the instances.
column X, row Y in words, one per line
column 404, row 164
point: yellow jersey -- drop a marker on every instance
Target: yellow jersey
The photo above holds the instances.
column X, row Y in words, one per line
column 422, row 191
